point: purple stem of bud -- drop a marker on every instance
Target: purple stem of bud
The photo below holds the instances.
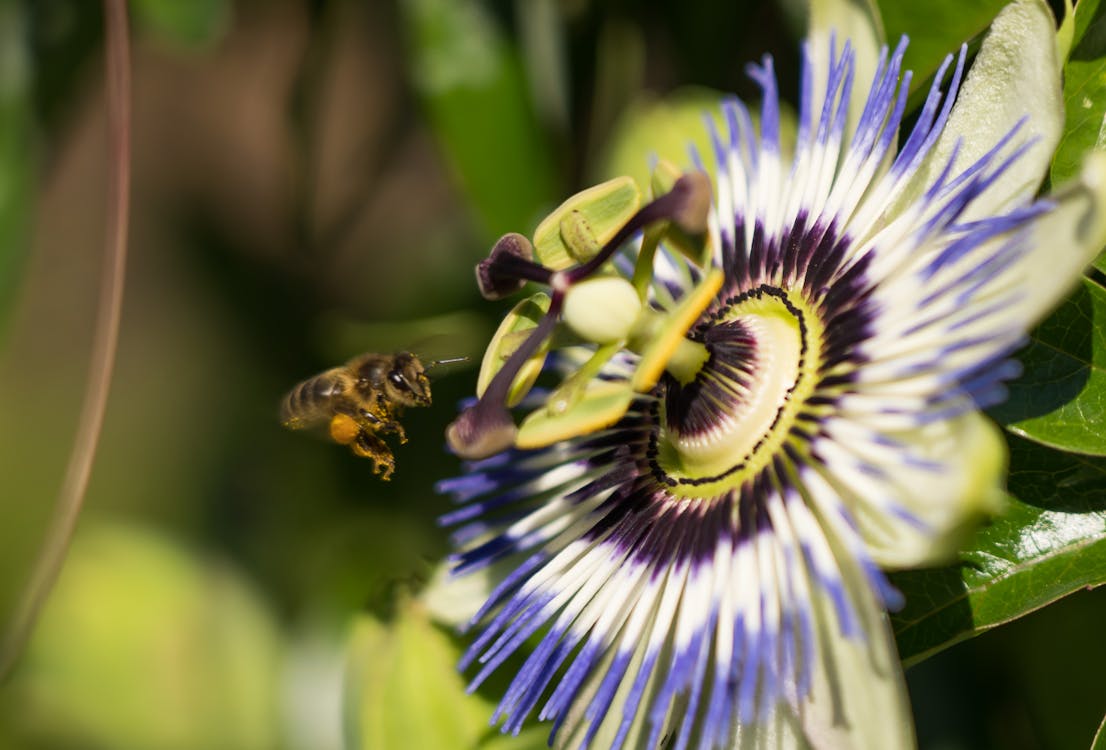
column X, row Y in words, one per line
column 486, row 428
column 687, row 204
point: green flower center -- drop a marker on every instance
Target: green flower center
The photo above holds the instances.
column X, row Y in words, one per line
column 725, row 425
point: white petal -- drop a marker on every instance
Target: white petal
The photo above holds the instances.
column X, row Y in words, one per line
column 1016, row 75
column 944, row 477
column 858, row 700
column 858, row 22
column 1064, row 241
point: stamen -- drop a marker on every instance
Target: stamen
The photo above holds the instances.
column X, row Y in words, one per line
column 487, row 428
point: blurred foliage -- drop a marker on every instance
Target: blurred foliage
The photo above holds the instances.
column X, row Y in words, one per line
column 316, row 178
column 146, row 645
column 402, row 674
column 189, row 22
column 471, row 79
column 16, row 178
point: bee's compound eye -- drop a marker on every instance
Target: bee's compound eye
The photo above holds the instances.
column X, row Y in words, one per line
column 344, row 429
column 397, row 379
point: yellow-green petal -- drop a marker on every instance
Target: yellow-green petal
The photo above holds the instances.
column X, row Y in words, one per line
column 858, row 22
column 948, row 502
column 1064, row 241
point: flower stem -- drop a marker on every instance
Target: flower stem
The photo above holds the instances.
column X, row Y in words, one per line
column 106, row 335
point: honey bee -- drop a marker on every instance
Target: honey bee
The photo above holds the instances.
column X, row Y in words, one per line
column 360, row 402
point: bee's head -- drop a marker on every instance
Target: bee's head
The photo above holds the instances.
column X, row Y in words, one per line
column 406, row 382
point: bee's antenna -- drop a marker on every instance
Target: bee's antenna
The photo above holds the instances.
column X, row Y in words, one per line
column 448, row 361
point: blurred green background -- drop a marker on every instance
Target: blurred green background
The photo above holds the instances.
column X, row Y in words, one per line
column 315, row 179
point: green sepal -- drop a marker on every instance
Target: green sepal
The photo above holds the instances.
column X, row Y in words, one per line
column 604, row 209
column 601, row 405
column 512, row 332
column 643, row 266
column 663, row 178
column 1065, row 35
column 1084, row 90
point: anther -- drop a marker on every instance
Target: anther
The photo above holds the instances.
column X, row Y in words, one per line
column 690, row 213
column 509, row 266
column 482, row 430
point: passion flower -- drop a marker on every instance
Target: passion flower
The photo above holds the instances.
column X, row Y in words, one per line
column 771, row 393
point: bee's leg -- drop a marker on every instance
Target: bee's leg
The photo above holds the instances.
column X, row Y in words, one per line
column 384, row 423
column 396, row 428
column 368, row 445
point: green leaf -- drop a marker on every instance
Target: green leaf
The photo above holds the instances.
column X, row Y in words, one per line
column 1050, row 542
column 1084, row 91
column 15, row 149
column 472, row 84
column 188, row 22
column 1100, row 736
column 1060, row 400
